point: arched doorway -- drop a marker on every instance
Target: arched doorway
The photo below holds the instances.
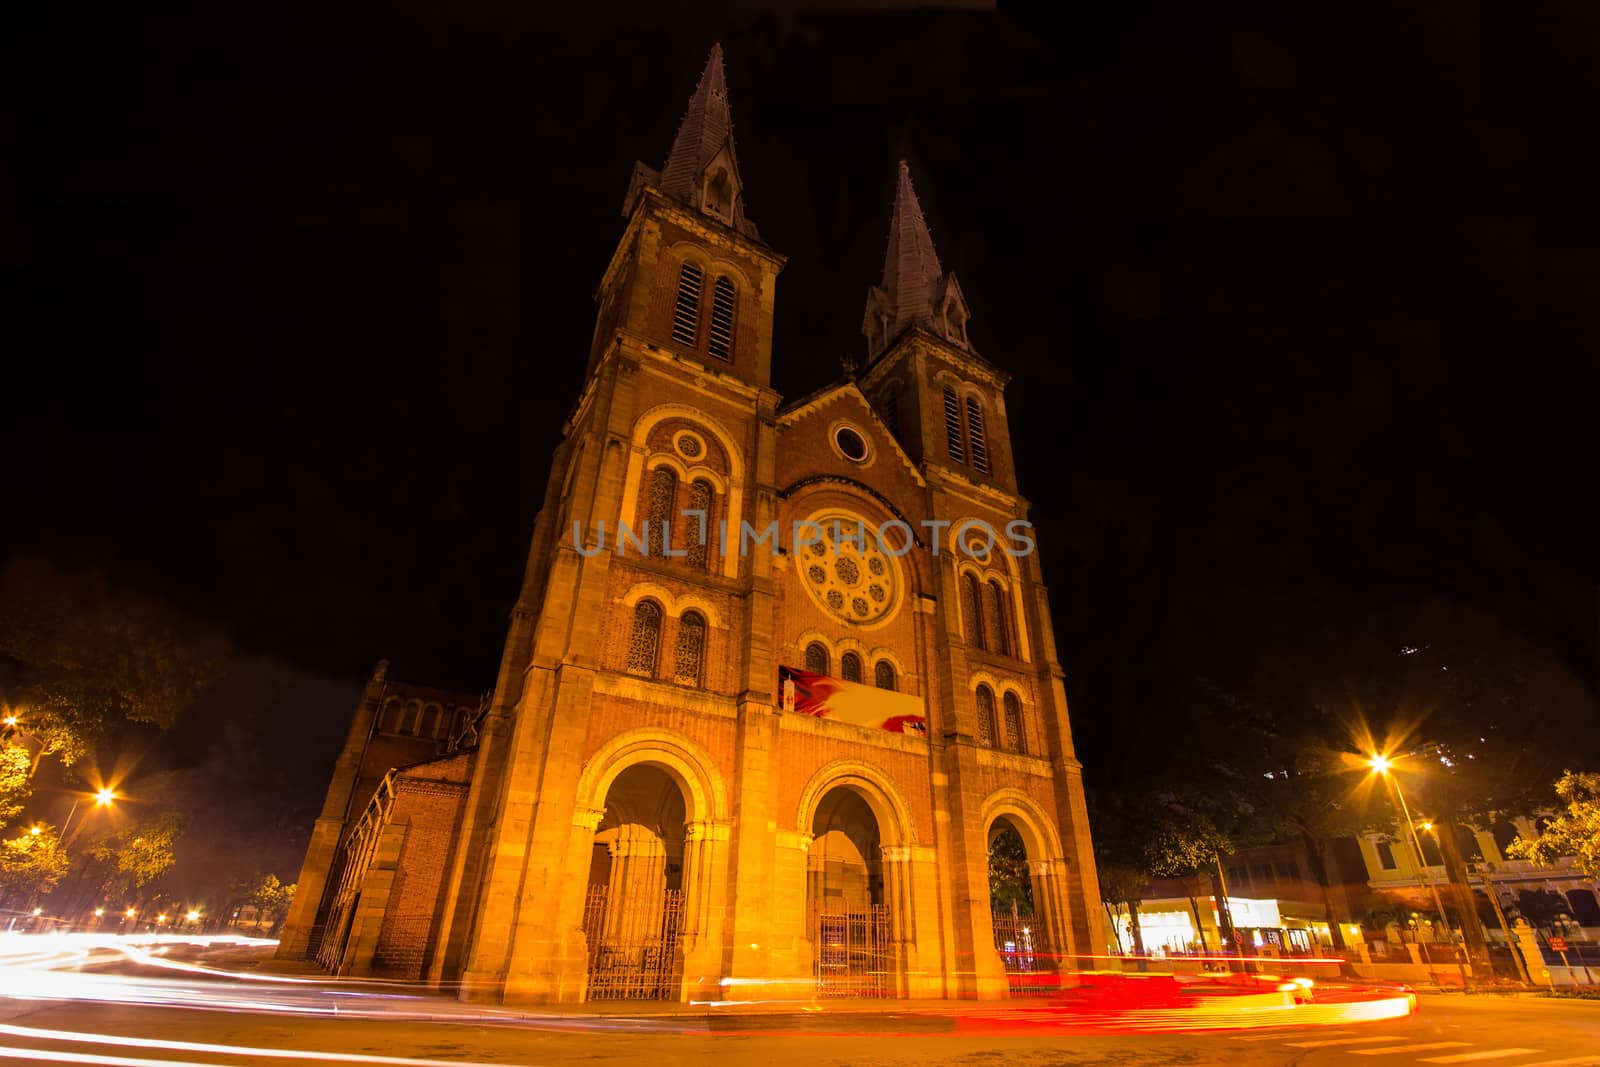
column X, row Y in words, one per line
column 1021, row 934
column 853, row 951
column 633, row 908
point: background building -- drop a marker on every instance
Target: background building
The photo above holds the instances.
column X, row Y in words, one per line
column 736, row 765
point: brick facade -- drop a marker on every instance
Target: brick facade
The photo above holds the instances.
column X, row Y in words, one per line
column 636, row 757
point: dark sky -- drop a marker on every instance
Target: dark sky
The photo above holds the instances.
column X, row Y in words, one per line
column 1297, row 299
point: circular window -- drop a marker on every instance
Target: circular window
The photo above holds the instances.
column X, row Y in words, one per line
column 851, row 444
column 688, row 445
column 847, row 574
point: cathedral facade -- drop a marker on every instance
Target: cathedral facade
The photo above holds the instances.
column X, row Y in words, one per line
column 780, row 677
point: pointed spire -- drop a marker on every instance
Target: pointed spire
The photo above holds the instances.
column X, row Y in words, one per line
column 911, row 270
column 916, row 291
column 702, row 170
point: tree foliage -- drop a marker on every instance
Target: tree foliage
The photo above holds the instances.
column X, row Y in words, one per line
column 15, row 786
column 1009, row 882
column 31, row 863
column 77, row 655
column 139, row 854
column 1575, row 832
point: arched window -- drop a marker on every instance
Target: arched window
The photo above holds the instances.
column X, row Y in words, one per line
column 410, row 718
column 430, row 721
column 1504, row 833
column 891, row 411
column 850, row 667
column 975, row 438
column 985, row 716
column 691, row 649
column 883, row 674
column 700, row 525
column 686, row 313
column 994, row 618
column 1015, row 741
column 1467, row 845
column 817, row 658
column 719, row 339
column 645, row 642
column 972, row 610
column 952, row 427
column 663, row 496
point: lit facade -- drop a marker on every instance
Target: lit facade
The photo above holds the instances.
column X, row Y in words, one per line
column 764, row 762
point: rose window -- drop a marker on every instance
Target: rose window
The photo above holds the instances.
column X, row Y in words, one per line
column 846, row 573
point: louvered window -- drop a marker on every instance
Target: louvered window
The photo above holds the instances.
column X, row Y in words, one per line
column 891, row 412
column 883, row 674
column 952, row 427
column 699, row 525
column 972, row 610
column 1014, row 739
column 995, row 619
column 817, row 658
column 691, row 649
column 686, row 313
column 975, row 439
column 645, row 640
column 663, row 495
column 720, row 338
column 986, row 736
column 850, row 667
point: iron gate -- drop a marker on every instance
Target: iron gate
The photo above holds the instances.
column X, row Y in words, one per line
column 648, row 968
column 854, row 955
column 1024, row 948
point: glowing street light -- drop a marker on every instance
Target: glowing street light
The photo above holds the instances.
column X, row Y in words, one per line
column 104, row 796
column 98, row 912
column 35, row 829
column 192, row 916
column 130, row 913
column 1381, row 765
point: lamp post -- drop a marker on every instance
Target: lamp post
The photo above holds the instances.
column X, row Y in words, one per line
column 1381, row 765
column 103, row 798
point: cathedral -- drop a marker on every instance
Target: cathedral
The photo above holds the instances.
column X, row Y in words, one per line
column 780, row 679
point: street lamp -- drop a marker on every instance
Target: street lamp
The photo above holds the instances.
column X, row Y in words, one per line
column 1381, row 766
column 103, row 798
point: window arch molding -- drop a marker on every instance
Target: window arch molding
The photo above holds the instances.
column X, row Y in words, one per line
column 711, row 263
column 705, row 424
column 685, row 473
column 673, row 605
column 1005, row 568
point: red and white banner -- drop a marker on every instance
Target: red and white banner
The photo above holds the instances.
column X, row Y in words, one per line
column 851, row 702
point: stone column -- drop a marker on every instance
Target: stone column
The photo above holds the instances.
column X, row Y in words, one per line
column 705, row 905
column 794, row 955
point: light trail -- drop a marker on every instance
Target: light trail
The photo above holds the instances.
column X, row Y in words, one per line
column 119, row 1041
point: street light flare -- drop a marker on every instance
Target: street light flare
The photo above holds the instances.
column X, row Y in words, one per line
column 105, row 795
column 1381, row 764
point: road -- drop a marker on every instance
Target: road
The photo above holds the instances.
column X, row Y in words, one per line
column 115, row 1005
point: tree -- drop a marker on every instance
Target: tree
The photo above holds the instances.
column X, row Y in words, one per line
column 77, row 656
column 15, row 787
column 1575, row 832
column 139, row 854
column 31, row 863
column 1009, row 881
column 272, row 898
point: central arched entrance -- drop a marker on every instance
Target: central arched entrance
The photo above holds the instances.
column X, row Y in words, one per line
column 633, row 909
column 850, row 926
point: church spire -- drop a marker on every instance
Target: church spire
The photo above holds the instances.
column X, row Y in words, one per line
column 916, row 290
column 701, row 170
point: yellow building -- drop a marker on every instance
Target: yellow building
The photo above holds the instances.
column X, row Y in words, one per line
column 777, row 676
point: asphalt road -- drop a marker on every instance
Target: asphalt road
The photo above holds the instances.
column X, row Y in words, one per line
column 113, row 1009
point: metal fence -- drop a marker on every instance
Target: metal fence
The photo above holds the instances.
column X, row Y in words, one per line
column 646, row 968
column 1025, row 950
column 855, row 957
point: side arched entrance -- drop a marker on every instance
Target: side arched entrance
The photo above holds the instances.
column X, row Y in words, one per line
column 1024, row 905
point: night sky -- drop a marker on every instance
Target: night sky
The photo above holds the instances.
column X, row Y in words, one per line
column 1298, row 302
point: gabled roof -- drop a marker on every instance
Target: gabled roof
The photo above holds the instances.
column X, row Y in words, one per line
column 793, row 412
